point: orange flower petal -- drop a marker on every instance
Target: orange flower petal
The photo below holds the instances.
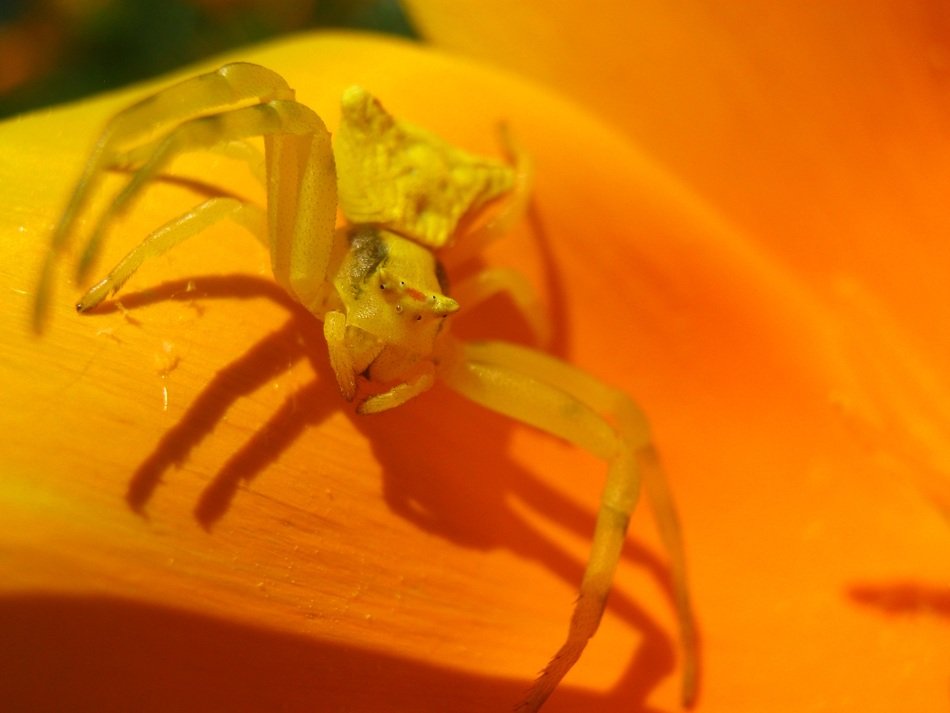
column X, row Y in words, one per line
column 810, row 126
column 820, row 130
column 192, row 518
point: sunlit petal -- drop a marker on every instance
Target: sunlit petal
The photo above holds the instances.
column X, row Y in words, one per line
column 183, row 489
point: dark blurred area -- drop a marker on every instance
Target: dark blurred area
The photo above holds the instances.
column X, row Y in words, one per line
column 52, row 51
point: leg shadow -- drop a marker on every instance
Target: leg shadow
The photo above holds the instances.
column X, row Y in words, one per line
column 467, row 501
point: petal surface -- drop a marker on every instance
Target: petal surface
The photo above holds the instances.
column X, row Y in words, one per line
column 187, row 501
column 820, row 130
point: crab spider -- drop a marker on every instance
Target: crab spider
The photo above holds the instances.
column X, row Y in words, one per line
column 378, row 286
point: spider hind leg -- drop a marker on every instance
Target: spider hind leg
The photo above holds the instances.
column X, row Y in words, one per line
column 537, row 389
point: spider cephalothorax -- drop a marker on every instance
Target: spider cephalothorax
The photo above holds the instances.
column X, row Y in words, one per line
column 393, row 309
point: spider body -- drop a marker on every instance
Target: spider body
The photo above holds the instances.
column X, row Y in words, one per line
column 377, row 283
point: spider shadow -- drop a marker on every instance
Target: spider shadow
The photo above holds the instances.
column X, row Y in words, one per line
column 475, row 503
column 902, row 598
column 298, row 338
column 265, row 361
column 467, row 502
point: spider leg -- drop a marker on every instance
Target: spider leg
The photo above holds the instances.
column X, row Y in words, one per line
column 240, row 82
column 487, row 283
column 300, row 186
column 341, row 360
column 556, row 397
column 301, row 203
column 240, row 150
column 400, row 393
column 249, row 154
column 513, row 206
column 274, row 118
column 171, row 234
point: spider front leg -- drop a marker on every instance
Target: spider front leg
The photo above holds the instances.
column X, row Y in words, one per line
column 560, row 399
column 499, row 280
column 171, row 234
column 301, row 183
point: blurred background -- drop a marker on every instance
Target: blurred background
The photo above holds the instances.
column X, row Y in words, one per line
column 52, row 51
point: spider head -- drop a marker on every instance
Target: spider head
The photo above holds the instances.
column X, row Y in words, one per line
column 405, row 314
column 392, row 289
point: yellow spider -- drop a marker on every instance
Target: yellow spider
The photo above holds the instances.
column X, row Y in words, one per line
column 378, row 286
